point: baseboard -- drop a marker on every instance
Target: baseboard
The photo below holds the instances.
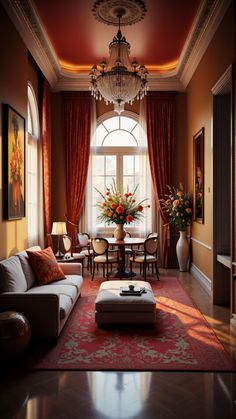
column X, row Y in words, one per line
column 202, row 278
column 233, row 324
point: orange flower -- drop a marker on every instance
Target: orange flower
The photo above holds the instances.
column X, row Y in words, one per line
column 120, row 209
column 114, row 215
column 113, row 205
column 104, row 204
column 129, row 218
column 139, row 208
column 107, row 193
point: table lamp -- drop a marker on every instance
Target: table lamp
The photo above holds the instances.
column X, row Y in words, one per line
column 58, row 229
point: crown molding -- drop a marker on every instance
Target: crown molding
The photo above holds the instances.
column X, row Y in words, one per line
column 27, row 21
column 207, row 20
column 75, row 82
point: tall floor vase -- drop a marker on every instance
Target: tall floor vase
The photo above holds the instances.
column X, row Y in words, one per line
column 182, row 252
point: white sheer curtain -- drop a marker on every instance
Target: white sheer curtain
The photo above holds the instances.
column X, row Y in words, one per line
column 152, row 221
column 86, row 221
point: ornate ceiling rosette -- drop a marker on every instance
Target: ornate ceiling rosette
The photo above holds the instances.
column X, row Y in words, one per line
column 130, row 11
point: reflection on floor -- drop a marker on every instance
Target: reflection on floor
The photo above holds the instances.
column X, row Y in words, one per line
column 140, row 395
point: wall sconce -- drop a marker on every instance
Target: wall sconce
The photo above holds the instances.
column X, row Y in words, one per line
column 58, row 229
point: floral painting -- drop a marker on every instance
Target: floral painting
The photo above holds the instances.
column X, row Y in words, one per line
column 14, row 164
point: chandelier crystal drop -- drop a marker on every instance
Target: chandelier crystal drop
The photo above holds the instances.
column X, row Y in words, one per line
column 119, row 80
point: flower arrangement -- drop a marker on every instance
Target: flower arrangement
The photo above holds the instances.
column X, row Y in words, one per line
column 178, row 205
column 120, row 208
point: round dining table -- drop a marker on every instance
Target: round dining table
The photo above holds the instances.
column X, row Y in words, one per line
column 122, row 244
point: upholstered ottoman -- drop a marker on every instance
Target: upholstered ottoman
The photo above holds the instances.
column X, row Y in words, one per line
column 111, row 307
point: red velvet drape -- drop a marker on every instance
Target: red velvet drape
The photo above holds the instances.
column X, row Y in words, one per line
column 160, row 118
column 46, row 154
column 77, row 108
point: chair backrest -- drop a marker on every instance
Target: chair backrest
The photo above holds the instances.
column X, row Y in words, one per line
column 83, row 239
column 150, row 245
column 154, row 234
column 67, row 243
column 100, row 245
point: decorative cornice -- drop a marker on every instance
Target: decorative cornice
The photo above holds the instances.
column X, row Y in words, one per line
column 25, row 17
column 208, row 18
column 26, row 20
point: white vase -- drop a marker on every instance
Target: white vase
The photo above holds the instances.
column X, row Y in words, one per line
column 119, row 232
column 182, row 251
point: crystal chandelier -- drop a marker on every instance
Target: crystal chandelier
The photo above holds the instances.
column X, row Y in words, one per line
column 119, row 80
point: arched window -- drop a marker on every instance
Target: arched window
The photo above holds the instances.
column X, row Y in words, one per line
column 120, row 154
column 33, row 168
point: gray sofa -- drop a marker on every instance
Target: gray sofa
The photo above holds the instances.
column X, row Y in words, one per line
column 47, row 307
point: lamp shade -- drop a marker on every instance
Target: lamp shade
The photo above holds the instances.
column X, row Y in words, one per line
column 59, row 228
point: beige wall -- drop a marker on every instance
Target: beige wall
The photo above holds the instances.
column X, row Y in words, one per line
column 219, row 55
column 15, row 70
column 13, row 91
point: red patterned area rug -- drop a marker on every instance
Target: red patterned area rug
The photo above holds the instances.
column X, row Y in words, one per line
column 180, row 340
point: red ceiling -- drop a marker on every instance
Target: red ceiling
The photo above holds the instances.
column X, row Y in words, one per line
column 79, row 39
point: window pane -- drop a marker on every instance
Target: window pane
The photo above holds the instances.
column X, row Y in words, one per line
column 101, row 132
column 109, row 180
column 128, row 165
column 110, row 165
column 127, row 123
column 137, row 165
column 112, row 123
column 120, row 139
column 29, row 121
column 135, row 132
column 99, row 165
column 128, row 183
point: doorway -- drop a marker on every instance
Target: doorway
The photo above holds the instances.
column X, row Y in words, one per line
column 222, row 189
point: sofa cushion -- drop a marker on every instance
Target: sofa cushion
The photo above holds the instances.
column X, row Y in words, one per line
column 75, row 280
column 27, row 268
column 12, row 278
column 67, row 295
column 45, row 265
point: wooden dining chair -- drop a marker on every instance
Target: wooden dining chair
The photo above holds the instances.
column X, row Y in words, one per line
column 102, row 255
column 77, row 257
column 85, row 246
column 149, row 255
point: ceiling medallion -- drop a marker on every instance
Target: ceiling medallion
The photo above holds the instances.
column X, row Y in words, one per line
column 106, row 11
column 119, row 80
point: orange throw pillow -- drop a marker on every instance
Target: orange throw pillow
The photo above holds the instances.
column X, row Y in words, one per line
column 45, row 265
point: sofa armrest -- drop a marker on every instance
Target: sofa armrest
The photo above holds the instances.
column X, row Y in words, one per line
column 71, row 268
column 41, row 310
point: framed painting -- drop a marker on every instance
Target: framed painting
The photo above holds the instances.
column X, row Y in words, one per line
column 13, row 164
column 198, row 176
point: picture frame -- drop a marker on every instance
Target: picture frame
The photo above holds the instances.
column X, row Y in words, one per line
column 13, row 164
column 198, row 176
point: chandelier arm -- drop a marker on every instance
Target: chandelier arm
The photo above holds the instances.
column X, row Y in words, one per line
column 120, row 81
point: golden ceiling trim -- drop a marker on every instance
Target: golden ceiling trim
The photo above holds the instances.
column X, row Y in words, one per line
column 26, row 20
